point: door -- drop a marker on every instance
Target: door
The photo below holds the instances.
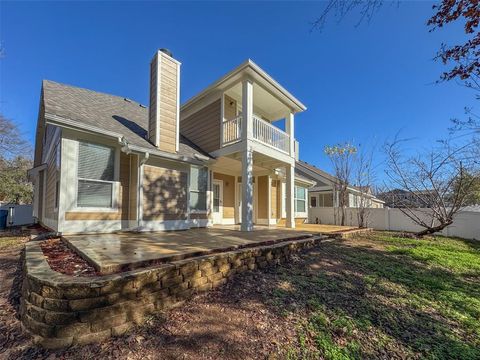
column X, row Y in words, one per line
column 217, row 201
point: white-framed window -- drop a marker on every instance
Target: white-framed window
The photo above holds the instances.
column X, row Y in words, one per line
column 198, row 188
column 300, row 199
column 95, row 175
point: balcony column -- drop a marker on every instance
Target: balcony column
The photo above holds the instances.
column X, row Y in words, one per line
column 247, row 190
column 289, row 129
column 247, row 109
column 290, row 198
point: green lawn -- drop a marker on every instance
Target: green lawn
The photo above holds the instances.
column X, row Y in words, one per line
column 384, row 296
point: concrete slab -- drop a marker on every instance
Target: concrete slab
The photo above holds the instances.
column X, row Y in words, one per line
column 125, row 251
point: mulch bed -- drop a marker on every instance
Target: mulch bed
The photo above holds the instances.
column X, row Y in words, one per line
column 64, row 260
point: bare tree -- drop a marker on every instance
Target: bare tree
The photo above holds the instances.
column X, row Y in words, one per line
column 342, row 158
column 11, row 142
column 364, row 178
column 441, row 178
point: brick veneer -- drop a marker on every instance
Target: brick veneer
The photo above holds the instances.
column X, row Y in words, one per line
column 60, row 310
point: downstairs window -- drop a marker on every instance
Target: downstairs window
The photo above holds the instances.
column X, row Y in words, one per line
column 96, row 165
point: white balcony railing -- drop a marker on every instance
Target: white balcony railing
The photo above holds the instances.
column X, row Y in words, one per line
column 263, row 132
column 270, row 135
column 232, row 130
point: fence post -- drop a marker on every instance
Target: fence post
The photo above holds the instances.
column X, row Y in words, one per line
column 387, row 219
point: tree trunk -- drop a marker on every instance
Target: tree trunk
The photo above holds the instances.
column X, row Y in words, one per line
column 433, row 230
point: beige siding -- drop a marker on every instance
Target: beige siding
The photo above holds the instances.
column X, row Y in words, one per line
column 262, row 193
column 84, row 215
column 51, row 179
column 152, row 118
column 164, row 194
column 228, row 194
column 168, row 105
column 203, row 127
column 275, row 200
column 163, row 103
column 230, row 111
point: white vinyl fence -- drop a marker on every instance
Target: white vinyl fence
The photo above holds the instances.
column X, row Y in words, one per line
column 18, row 214
column 466, row 223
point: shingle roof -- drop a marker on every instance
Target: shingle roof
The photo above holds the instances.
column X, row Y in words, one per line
column 108, row 112
column 314, row 169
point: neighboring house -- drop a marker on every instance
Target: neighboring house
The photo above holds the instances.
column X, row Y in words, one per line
column 107, row 163
column 399, row 198
column 324, row 192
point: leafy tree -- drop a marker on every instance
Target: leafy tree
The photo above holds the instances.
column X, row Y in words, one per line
column 14, row 185
column 14, row 163
column 473, row 196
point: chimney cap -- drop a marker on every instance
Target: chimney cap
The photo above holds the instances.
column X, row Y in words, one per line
column 166, row 51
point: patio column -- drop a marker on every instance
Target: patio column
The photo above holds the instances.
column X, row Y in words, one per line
column 290, row 192
column 247, row 190
column 290, row 130
column 247, row 109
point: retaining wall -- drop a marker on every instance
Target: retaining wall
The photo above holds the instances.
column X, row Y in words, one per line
column 60, row 310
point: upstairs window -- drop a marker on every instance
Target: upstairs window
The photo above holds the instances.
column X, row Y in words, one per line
column 96, row 169
column 198, row 188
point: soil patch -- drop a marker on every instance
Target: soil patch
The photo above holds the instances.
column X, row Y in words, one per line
column 64, row 260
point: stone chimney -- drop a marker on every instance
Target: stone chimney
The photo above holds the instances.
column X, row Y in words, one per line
column 164, row 110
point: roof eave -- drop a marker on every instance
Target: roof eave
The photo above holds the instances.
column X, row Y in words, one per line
column 246, row 66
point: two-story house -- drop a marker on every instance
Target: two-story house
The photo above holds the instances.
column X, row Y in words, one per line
column 106, row 163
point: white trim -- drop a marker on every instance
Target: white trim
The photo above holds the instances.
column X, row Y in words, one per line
column 177, row 144
column 228, row 221
column 250, row 68
column 222, row 117
column 219, row 219
column 158, row 91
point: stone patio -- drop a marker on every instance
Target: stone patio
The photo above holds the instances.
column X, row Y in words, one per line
column 110, row 253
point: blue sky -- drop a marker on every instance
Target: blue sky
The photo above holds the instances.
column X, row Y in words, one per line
column 360, row 84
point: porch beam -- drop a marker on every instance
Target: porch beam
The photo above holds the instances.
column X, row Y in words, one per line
column 290, row 130
column 247, row 109
column 290, row 200
column 247, row 191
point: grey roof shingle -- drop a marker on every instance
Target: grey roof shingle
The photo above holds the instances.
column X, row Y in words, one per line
column 108, row 112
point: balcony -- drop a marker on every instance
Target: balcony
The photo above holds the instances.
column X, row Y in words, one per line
column 263, row 131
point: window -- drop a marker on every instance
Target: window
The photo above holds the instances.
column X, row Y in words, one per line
column 325, row 200
column 313, row 201
column 300, row 199
column 96, row 165
column 57, row 193
column 198, row 188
